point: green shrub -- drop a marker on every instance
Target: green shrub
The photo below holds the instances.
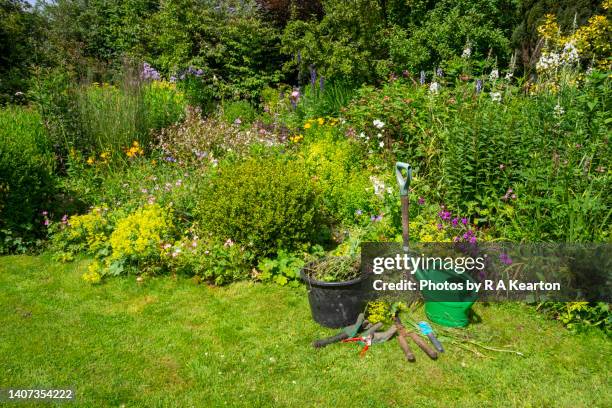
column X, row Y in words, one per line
column 27, row 183
column 283, row 269
column 236, row 50
column 263, row 204
column 238, row 112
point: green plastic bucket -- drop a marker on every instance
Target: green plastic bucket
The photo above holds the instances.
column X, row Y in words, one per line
column 449, row 308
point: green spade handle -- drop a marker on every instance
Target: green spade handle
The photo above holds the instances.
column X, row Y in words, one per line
column 403, row 182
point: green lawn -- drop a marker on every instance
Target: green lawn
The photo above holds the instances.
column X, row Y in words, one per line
column 169, row 342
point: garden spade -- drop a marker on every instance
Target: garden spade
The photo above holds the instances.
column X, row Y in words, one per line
column 346, row 333
column 404, row 186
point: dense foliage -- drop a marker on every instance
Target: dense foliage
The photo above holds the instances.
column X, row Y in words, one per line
column 26, row 177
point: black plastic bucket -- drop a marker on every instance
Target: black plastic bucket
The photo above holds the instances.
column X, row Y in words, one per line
column 336, row 304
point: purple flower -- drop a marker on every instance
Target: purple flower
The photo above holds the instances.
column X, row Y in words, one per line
column 321, row 83
column 149, row 73
column 45, row 213
column 472, row 240
column 478, row 86
column 445, row 215
column 376, row 218
column 46, row 222
column 422, row 78
column 170, row 159
column 440, row 226
column 439, row 72
column 313, row 75
column 464, row 221
column 505, row 259
column 237, row 121
column 173, row 79
column 358, row 212
column 65, row 219
column 455, row 222
column 421, row 201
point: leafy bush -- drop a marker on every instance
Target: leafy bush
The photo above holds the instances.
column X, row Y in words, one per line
column 236, row 50
column 283, row 270
column 263, row 204
column 485, row 26
column 20, row 31
column 398, row 116
column 27, row 184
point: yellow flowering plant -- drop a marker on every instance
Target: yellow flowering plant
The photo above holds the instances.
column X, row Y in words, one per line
column 137, row 239
column 82, row 233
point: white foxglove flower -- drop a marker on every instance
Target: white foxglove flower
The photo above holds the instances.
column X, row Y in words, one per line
column 381, row 144
column 569, row 55
column 496, row 96
column 434, row 87
column 494, row 75
column 559, row 110
column 378, row 124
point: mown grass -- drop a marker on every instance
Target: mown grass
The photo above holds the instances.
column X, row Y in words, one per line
column 169, row 342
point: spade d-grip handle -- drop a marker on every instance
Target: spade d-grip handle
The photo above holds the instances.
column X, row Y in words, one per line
column 403, row 182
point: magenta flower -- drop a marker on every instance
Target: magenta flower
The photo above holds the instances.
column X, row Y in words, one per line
column 464, row 221
column 455, row 222
column 445, row 215
column 505, row 259
column 421, row 201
